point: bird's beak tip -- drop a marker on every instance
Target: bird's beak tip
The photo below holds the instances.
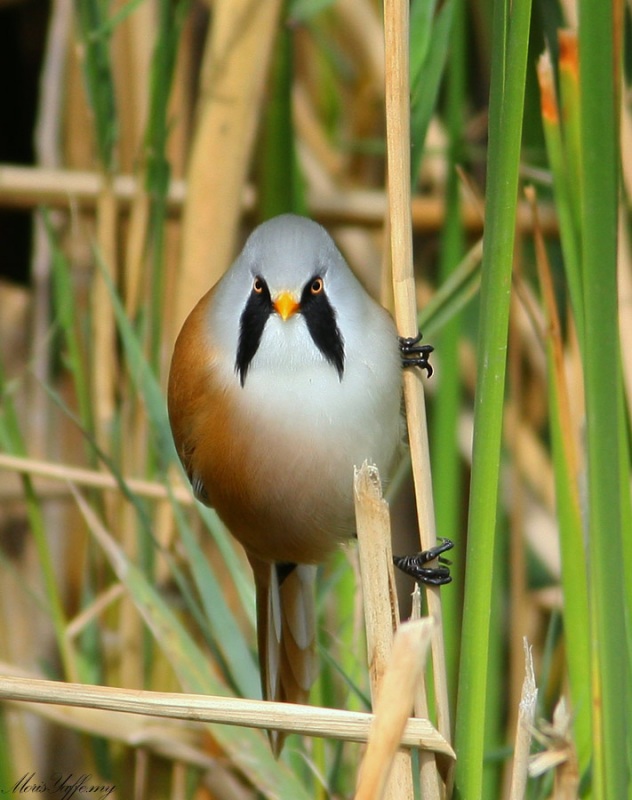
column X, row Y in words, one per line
column 286, row 305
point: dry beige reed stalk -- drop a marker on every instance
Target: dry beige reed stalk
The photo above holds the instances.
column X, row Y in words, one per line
column 524, row 727
column 305, row 720
column 396, row 25
column 397, row 693
column 430, row 780
column 381, row 611
column 171, row 738
column 50, row 473
column 29, row 187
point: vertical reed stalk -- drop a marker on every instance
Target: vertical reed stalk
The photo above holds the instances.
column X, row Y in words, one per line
column 398, row 155
column 568, row 506
column 604, row 408
column 510, row 41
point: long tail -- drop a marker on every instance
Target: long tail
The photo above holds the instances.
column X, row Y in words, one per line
column 286, row 633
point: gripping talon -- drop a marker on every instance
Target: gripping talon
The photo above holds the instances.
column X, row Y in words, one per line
column 413, row 565
column 414, row 354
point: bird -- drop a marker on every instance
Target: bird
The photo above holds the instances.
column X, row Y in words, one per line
column 285, row 376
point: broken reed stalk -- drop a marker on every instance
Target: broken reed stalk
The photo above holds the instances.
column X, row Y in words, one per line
column 396, row 27
column 524, row 726
column 397, row 692
column 381, row 611
column 262, row 714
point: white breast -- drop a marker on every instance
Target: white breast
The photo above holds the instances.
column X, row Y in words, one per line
column 308, row 420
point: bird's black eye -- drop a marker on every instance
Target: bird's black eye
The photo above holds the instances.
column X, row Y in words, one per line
column 317, row 286
column 258, row 285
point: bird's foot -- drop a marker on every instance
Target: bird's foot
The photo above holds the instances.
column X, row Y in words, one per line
column 435, row 576
column 414, row 354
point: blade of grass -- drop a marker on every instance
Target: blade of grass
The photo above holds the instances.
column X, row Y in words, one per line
column 570, row 113
column 7, row 759
column 98, row 77
column 12, row 440
column 421, row 16
column 510, row 42
column 568, row 510
column 301, row 11
column 603, row 389
column 65, row 315
column 565, row 183
column 456, row 291
column 429, row 51
column 141, row 374
column 158, row 170
column 446, row 460
column 225, row 632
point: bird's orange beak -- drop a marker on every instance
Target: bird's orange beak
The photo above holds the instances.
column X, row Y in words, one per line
column 285, row 304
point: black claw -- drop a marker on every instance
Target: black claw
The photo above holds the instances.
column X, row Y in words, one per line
column 413, row 565
column 414, row 354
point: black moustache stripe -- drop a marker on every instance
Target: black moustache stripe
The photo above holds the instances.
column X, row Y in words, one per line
column 320, row 319
column 321, row 323
column 253, row 321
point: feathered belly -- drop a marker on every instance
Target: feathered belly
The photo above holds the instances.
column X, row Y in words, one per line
column 293, row 503
column 283, row 481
